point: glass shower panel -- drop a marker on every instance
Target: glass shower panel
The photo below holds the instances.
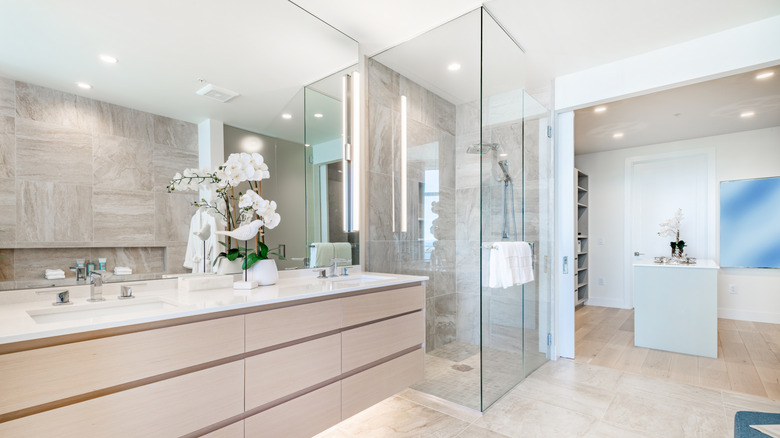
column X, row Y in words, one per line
column 510, row 314
column 423, row 114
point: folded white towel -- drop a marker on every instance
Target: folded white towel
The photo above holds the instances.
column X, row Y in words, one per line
column 55, row 271
column 511, row 263
column 122, row 270
column 54, row 276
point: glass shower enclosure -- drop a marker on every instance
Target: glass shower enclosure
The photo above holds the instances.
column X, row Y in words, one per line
column 458, row 160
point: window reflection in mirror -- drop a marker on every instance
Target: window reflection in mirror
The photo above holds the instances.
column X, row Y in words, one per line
column 325, row 234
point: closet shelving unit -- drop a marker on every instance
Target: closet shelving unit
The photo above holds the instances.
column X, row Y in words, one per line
column 581, row 237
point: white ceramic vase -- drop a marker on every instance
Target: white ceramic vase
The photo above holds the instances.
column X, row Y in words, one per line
column 264, row 272
column 225, row 266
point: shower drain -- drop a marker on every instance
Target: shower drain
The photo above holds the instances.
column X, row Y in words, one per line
column 462, row 367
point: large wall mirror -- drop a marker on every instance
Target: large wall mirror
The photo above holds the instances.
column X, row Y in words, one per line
column 328, row 235
column 102, row 193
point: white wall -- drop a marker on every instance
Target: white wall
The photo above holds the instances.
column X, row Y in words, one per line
column 734, row 50
column 749, row 154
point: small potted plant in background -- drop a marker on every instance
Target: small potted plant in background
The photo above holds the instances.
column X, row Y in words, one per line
column 671, row 228
column 233, row 208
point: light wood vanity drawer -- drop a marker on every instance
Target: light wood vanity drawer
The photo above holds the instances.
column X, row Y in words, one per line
column 378, row 305
column 167, row 408
column 375, row 384
column 363, row 345
column 272, row 327
column 301, row 417
column 34, row 377
column 272, row 375
column 235, row 430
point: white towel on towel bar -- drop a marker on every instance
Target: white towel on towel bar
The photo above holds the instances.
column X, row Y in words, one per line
column 511, row 263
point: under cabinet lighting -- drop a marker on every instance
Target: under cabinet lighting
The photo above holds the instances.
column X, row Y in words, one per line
column 765, row 75
column 83, row 85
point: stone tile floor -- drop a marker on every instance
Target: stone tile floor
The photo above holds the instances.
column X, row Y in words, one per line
column 564, row 398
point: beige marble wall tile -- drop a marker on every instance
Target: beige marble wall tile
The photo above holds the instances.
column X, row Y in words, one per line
column 7, row 147
column 382, row 149
column 7, row 97
column 53, row 212
column 124, row 122
column 46, row 105
column 140, row 259
column 122, row 163
column 176, row 133
column 430, row 326
column 6, row 265
column 380, row 215
column 123, row 216
column 175, row 259
column 444, row 115
column 383, row 85
column 167, row 162
column 7, row 211
column 30, row 264
column 172, row 215
column 447, row 176
column 47, row 152
column 445, row 307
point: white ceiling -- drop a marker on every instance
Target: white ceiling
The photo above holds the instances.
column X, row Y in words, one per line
column 267, row 50
column 699, row 110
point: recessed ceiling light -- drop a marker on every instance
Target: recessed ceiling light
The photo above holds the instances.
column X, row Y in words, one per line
column 747, row 114
column 108, row 59
column 318, row 115
column 84, row 85
column 617, row 135
column 287, row 116
column 599, row 109
column 453, row 67
column 765, row 75
column 306, row 144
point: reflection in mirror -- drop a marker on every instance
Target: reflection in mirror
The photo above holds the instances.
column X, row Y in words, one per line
column 326, row 234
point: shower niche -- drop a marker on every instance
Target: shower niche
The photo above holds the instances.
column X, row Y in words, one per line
column 458, row 158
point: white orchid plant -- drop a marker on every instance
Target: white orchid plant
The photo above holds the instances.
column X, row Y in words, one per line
column 671, row 228
column 230, row 208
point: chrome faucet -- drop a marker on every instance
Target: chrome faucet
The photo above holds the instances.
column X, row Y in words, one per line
column 335, row 266
column 81, row 272
column 95, row 287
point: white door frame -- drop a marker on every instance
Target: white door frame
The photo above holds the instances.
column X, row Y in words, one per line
column 707, row 154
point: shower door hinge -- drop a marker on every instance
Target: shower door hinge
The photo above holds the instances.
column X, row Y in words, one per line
column 549, row 131
column 549, row 339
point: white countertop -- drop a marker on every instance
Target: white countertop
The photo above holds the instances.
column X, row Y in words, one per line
column 701, row 264
column 162, row 300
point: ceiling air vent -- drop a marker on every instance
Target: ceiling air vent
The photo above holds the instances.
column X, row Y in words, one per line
column 217, row 93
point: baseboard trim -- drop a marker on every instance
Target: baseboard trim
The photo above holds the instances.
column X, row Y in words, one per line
column 749, row 315
column 604, row 302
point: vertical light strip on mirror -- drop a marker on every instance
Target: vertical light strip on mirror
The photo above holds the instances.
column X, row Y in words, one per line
column 355, row 158
column 404, row 219
column 345, row 133
column 350, row 115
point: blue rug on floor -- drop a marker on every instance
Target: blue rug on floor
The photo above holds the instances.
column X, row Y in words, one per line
column 744, row 419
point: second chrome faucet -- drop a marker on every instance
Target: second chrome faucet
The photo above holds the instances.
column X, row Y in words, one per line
column 95, row 287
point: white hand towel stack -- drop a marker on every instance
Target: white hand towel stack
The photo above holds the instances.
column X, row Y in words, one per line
column 122, row 270
column 54, row 274
column 511, row 263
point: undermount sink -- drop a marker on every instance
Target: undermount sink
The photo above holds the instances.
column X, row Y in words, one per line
column 110, row 307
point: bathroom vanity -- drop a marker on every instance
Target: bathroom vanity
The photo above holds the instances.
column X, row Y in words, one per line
column 286, row 360
column 676, row 307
